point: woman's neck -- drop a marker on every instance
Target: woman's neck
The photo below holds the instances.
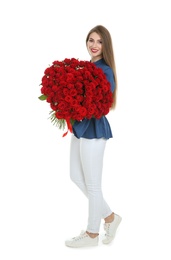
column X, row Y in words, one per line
column 94, row 59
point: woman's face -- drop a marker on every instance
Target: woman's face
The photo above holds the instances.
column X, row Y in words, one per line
column 94, row 46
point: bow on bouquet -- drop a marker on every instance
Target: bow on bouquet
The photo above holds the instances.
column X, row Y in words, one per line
column 75, row 90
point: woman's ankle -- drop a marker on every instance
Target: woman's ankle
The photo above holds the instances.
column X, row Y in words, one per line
column 110, row 218
column 92, row 235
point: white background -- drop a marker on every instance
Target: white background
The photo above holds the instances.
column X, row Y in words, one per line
column 39, row 206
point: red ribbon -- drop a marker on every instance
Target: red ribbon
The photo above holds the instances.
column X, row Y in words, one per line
column 69, row 126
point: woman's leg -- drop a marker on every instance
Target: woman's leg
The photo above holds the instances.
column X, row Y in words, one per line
column 91, row 155
column 78, row 154
column 76, row 171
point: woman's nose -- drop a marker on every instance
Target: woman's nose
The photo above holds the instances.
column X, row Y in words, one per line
column 94, row 44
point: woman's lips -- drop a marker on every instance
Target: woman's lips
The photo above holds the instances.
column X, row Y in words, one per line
column 94, row 50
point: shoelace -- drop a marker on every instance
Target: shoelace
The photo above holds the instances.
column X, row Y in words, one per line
column 81, row 236
column 106, row 228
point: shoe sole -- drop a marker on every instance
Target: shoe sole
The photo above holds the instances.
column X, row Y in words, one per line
column 79, row 246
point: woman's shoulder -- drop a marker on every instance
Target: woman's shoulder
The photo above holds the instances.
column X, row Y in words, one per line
column 107, row 71
column 102, row 64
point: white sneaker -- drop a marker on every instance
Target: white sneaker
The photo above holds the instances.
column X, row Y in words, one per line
column 111, row 228
column 82, row 240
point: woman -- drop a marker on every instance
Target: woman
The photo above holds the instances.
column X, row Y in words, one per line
column 87, row 149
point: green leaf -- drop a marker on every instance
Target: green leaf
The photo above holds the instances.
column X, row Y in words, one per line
column 72, row 121
column 42, row 97
column 60, row 123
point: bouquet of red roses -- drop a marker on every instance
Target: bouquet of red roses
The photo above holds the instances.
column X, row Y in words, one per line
column 75, row 90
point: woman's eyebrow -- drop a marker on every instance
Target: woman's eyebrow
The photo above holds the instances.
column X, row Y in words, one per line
column 93, row 39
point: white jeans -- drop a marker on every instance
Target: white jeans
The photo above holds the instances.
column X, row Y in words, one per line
column 86, row 164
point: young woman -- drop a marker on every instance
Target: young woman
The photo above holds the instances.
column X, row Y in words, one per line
column 87, row 149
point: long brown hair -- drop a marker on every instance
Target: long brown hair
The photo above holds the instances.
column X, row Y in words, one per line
column 108, row 53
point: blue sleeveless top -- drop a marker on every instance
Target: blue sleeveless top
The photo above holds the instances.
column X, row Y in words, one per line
column 96, row 128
